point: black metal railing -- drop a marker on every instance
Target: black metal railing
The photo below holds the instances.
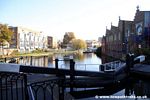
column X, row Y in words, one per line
column 13, row 86
column 51, row 89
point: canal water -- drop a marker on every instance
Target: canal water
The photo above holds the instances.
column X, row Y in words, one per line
column 83, row 61
column 89, row 61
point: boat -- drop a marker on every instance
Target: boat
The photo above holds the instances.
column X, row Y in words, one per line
column 12, row 60
column 67, row 57
column 88, row 51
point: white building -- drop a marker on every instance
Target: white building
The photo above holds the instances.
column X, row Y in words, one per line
column 92, row 43
column 26, row 40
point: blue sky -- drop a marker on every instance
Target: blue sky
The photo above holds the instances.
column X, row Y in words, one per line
column 86, row 18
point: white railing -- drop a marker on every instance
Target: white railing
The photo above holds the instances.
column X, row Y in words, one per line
column 112, row 66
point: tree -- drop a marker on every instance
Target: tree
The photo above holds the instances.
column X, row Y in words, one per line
column 78, row 44
column 68, row 37
column 5, row 34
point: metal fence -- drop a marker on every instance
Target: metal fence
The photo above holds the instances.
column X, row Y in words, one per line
column 13, row 86
column 46, row 90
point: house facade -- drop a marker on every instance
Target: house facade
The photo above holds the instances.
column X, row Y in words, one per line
column 127, row 36
column 142, row 28
column 27, row 40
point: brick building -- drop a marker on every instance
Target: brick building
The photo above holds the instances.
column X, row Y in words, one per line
column 127, row 36
column 142, row 28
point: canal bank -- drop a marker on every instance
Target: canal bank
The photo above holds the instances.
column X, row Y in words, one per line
column 37, row 53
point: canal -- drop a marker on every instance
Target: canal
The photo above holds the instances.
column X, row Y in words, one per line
column 83, row 61
column 130, row 89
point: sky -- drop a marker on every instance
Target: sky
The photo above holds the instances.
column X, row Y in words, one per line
column 86, row 18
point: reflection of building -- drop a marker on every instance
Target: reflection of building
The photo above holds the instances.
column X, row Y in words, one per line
column 127, row 36
column 26, row 40
column 52, row 42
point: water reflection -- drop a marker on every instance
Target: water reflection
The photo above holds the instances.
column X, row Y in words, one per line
column 79, row 56
column 49, row 61
column 106, row 59
column 35, row 61
column 142, row 88
column 127, row 89
column 139, row 89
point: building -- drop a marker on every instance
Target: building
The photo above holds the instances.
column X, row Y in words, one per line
column 126, row 30
column 127, row 36
column 49, row 41
column 115, row 42
column 100, row 41
column 142, row 28
column 52, row 42
column 27, row 40
column 103, row 45
column 92, row 43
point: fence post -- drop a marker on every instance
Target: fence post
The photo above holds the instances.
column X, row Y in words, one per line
column 72, row 76
column 56, row 67
column 61, row 88
column 25, row 87
column 129, row 62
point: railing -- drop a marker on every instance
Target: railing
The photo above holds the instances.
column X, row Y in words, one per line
column 87, row 67
column 112, row 66
column 83, row 67
column 13, row 86
column 47, row 90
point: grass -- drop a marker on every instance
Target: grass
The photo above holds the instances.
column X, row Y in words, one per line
column 40, row 53
column 49, row 52
column 35, row 54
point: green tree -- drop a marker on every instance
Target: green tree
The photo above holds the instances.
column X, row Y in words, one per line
column 69, row 36
column 78, row 44
column 5, row 34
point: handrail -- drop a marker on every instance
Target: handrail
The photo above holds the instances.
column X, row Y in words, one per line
column 113, row 66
